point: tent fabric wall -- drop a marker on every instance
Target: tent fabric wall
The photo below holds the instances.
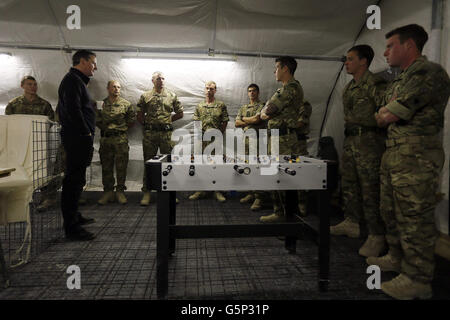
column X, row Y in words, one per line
column 295, row 27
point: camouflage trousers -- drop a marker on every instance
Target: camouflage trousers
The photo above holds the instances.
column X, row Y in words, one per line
column 288, row 145
column 360, row 180
column 263, row 196
column 154, row 140
column 409, row 195
column 114, row 152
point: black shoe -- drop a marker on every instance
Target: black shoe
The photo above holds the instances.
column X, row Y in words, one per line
column 85, row 220
column 80, row 235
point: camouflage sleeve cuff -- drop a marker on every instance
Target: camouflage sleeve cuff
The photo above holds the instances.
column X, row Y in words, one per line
column 399, row 110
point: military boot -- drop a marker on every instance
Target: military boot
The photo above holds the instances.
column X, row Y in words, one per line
column 403, row 288
column 108, row 196
column 256, row 205
column 197, row 195
column 121, row 197
column 219, row 196
column 389, row 262
column 146, row 198
column 374, row 245
column 346, row 228
column 247, row 198
column 271, row 218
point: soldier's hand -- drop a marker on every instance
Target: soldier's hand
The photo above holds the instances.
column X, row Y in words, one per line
column 264, row 116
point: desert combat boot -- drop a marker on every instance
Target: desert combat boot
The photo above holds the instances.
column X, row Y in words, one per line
column 247, row 198
column 273, row 218
column 146, row 198
column 256, row 205
column 108, row 196
column 374, row 246
column 197, row 195
column 404, row 288
column 346, row 228
column 121, row 197
column 219, row 196
column 389, row 262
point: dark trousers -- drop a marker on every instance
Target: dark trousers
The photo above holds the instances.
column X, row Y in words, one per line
column 79, row 151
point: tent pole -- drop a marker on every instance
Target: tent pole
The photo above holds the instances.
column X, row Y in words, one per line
column 134, row 50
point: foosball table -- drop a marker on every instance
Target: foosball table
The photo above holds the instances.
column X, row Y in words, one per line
column 168, row 174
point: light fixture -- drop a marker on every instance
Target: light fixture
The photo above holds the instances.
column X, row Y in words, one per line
column 5, row 58
column 181, row 57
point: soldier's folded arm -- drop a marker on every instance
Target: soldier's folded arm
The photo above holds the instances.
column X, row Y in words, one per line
column 239, row 123
column 384, row 117
column 253, row 120
column 269, row 110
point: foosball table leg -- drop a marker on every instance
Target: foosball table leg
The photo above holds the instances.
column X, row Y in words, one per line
column 162, row 244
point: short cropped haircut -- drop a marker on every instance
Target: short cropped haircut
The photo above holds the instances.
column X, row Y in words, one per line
column 27, row 78
column 211, row 82
column 85, row 54
column 288, row 62
column 411, row 31
column 364, row 51
column 156, row 74
column 110, row 82
column 253, row 85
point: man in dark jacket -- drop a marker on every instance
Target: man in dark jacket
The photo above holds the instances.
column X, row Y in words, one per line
column 77, row 117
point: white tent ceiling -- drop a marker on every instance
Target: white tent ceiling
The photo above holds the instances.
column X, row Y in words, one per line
column 283, row 26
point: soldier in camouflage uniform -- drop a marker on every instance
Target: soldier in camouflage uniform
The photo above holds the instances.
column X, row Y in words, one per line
column 414, row 115
column 155, row 110
column 31, row 103
column 214, row 115
column 114, row 119
column 248, row 117
column 363, row 148
column 282, row 112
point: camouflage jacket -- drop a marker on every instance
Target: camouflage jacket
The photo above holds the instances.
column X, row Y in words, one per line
column 250, row 110
column 362, row 99
column 157, row 108
column 303, row 120
column 418, row 96
column 212, row 115
column 116, row 116
column 288, row 99
column 39, row 106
